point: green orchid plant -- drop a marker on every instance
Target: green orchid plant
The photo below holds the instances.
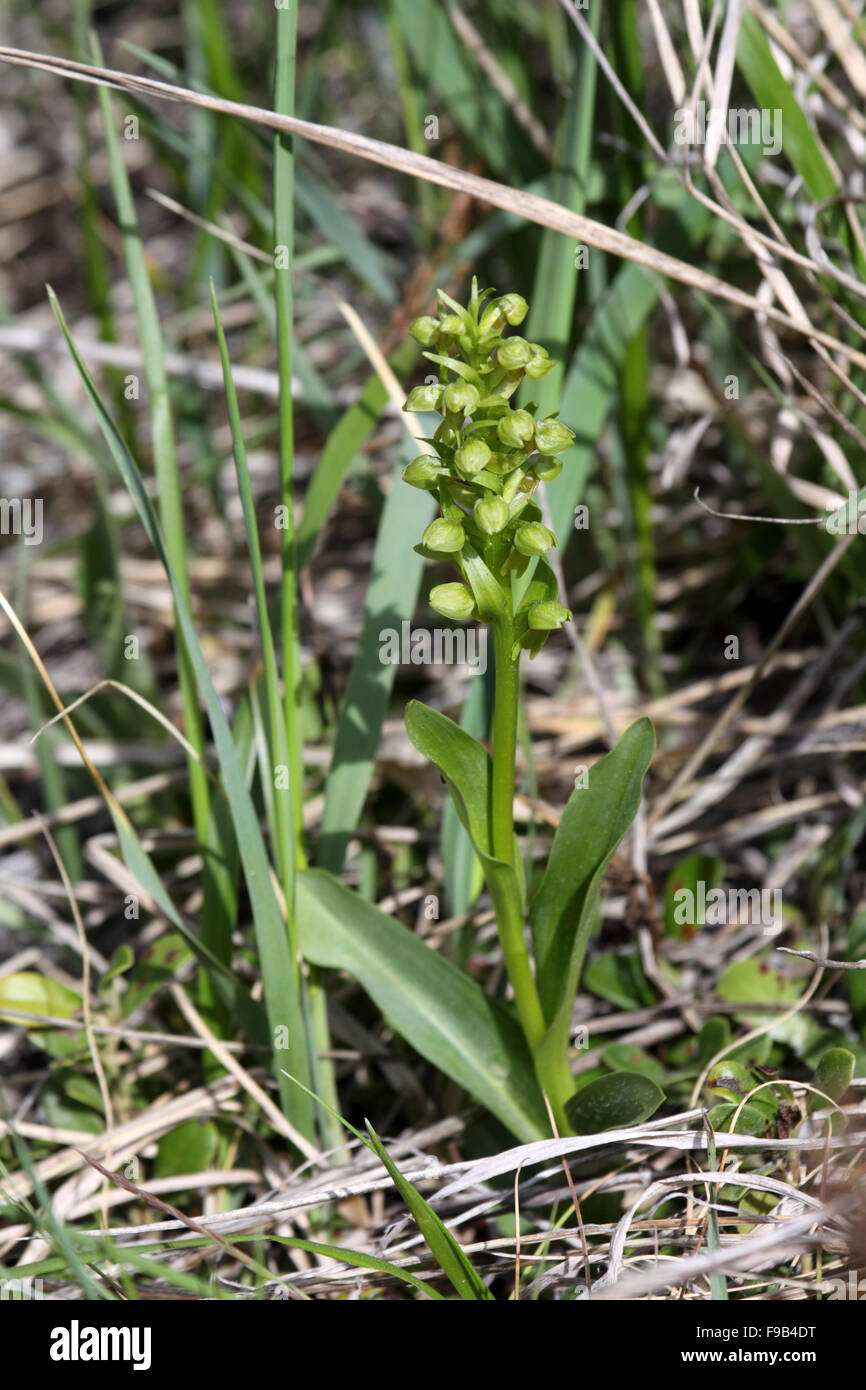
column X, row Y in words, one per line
column 489, row 458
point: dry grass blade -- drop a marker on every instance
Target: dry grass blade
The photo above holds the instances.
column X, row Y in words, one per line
column 526, row 205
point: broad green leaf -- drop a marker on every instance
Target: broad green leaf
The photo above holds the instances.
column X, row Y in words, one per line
column 30, row 993
column 751, row 1120
column 188, row 1148
column 468, row 771
column 439, row 1010
column 834, row 1072
column 755, row 981
column 613, row 1102
column 445, row 1248
column 730, row 1080
column 563, row 911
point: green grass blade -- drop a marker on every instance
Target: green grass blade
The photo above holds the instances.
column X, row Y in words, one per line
column 446, row 1250
column 284, row 238
column 773, row 92
column 279, row 970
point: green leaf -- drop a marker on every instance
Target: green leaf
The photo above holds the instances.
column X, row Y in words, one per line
column 834, row 1072
column 563, row 911
column 189, row 1148
column 731, row 1080
column 30, row 993
column 446, row 1250
column 613, row 1102
column 751, row 1120
column 468, row 771
column 437, row 1008
column 773, row 92
column 756, row 982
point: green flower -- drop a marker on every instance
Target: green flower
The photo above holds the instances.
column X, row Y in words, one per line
column 548, row 469
column 472, row 457
column 516, row 429
column 452, row 324
column 461, row 397
column 547, row 615
column 534, row 539
column 425, row 330
column 452, row 601
column 424, row 398
column 491, row 515
column 444, row 536
column 513, row 354
column 551, row 436
column 422, row 472
column 540, row 363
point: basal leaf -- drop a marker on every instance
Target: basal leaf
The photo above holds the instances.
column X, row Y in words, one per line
column 614, row 1102
column 437, row 1008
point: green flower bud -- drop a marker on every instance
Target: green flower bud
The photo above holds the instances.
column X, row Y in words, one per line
column 551, row 436
column 422, row 472
column 513, row 354
column 472, row 457
column 534, row 539
column 491, row 515
column 548, row 470
column 452, row 601
column 461, row 397
column 540, row 363
column 547, row 615
column 448, row 433
column 452, row 324
column 423, row 398
column 516, row 429
column 514, row 307
column 444, row 536
column 425, row 330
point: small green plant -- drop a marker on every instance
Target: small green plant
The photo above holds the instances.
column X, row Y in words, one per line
column 489, row 460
